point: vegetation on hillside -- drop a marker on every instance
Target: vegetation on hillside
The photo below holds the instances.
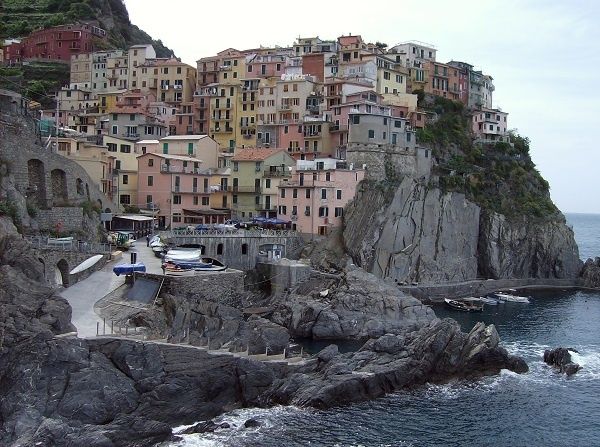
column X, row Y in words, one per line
column 36, row 81
column 20, row 17
column 500, row 177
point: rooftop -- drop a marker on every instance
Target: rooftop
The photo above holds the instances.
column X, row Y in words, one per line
column 173, row 157
column 183, row 137
column 255, row 154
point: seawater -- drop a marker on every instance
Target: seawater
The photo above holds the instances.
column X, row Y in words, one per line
column 540, row 408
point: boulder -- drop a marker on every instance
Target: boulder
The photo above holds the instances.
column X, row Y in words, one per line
column 561, row 359
column 591, row 273
column 252, row 423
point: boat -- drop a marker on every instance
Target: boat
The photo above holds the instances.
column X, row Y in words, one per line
column 187, row 268
column 128, row 269
column 464, row 306
column 488, row 300
column 183, row 255
column 86, row 264
column 512, row 298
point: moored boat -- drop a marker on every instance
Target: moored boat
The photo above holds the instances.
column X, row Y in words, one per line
column 511, row 298
column 186, row 268
column 464, row 306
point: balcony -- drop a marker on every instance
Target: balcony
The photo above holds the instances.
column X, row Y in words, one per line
column 222, row 129
column 247, row 125
column 313, row 134
column 265, row 207
column 245, row 189
column 338, row 128
column 284, row 106
column 225, row 68
column 277, row 173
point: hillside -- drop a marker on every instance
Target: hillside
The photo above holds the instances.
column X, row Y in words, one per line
column 19, row 17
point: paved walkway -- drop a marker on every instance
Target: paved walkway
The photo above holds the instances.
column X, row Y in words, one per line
column 83, row 295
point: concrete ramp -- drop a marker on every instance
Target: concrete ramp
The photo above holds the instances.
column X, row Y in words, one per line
column 144, row 290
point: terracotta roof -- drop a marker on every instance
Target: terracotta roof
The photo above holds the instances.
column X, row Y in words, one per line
column 255, row 154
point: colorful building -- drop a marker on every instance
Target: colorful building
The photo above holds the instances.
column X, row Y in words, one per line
column 179, row 187
column 316, row 194
column 56, row 43
column 255, row 176
column 490, row 126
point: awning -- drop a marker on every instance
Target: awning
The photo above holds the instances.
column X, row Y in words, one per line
column 211, row 212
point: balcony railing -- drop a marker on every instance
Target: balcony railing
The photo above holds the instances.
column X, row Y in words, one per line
column 249, row 189
column 277, row 173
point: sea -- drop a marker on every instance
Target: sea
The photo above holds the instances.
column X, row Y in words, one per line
column 540, row 408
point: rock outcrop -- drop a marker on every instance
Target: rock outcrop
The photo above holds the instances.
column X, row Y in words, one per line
column 360, row 306
column 415, row 233
column 526, row 248
column 437, row 352
column 591, row 273
column 419, row 235
column 561, row 359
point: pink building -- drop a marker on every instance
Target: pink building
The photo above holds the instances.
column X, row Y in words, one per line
column 179, row 188
column 315, row 196
column 490, row 126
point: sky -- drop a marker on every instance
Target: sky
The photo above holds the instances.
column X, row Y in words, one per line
column 544, row 57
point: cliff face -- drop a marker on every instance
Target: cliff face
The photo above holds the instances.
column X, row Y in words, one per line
column 421, row 234
column 526, row 249
column 418, row 233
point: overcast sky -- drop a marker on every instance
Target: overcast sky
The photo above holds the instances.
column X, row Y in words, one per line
column 544, row 57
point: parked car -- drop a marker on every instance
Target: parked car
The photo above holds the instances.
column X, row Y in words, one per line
column 203, row 227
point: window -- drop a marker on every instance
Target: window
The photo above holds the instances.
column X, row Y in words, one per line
column 338, row 194
column 126, row 148
column 177, row 217
column 115, row 117
column 115, row 130
column 282, row 209
column 234, row 198
column 236, row 166
column 125, row 199
column 307, row 211
column 190, row 148
column 125, row 179
column 323, row 193
column 386, row 75
column 408, row 136
column 308, row 193
column 398, row 124
column 339, row 211
column 323, row 211
column 294, row 210
column 244, row 249
column 205, row 201
column 149, row 200
column 165, row 148
column 283, row 193
column 295, row 193
column 195, row 200
column 220, row 249
column 151, row 162
column 112, row 147
column 328, row 176
column 268, row 183
column 132, row 117
column 150, row 180
column 371, row 134
column 176, row 200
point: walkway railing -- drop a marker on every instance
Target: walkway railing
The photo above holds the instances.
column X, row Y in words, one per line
column 228, row 233
column 43, row 242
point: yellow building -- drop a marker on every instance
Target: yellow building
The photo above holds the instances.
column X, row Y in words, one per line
column 255, row 177
column 107, row 102
column 125, row 169
column 392, row 78
column 97, row 161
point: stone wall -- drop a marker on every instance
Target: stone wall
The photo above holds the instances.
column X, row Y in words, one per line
column 58, row 263
column 68, row 218
column 45, row 178
column 382, row 160
column 220, row 287
column 283, row 274
column 241, row 251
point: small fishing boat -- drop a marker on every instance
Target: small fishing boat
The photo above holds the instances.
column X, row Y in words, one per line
column 86, row 264
column 464, row 306
column 128, row 269
column 187, row 268
column 511, row 298
column 183, row 255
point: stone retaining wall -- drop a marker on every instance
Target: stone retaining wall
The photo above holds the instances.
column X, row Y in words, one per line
column 68, row 218
column 221, row 287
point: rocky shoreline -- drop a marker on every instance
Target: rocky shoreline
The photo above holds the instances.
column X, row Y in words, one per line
column 61, row 390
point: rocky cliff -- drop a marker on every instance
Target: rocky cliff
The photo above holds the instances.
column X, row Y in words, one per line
column 481, row 210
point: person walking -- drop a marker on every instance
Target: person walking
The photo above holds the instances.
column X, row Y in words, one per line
column 148, row 240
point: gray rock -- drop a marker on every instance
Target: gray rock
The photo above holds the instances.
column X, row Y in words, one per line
column 590, row 273
column 561, row 359
column 328, row 353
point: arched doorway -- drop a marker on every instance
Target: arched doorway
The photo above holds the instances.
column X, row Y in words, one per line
column 59, row 186
column 37, row 182
column 61, row 273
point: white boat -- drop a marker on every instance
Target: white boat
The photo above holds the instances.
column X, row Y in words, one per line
column 183, row 255
column 512, row 298
column 489, row 301
column 86, row 264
